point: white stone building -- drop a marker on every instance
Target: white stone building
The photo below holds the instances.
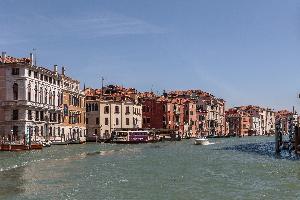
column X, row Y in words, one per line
column 30, row 99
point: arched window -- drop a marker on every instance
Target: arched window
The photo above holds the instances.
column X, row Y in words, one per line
column 41, row 95
column 53, row 98
column 29, row 92
column 46, row 96
column 15, row 91
column 96, row 107
column 50, row 97
column 93, row 107
column 35, row 93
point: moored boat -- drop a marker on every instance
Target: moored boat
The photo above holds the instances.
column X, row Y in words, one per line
column 201, row 141
column 36, row 146
column 13, row 147
column 47, row 144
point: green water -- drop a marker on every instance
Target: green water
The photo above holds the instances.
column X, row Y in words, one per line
column 169, row 170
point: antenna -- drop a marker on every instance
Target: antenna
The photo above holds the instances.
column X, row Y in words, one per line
column 35, row 55
column 102, row 79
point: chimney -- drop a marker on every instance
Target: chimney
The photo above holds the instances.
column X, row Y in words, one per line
column 55, row 68
column 63, row 70
column 3, row 56
column 31, row 59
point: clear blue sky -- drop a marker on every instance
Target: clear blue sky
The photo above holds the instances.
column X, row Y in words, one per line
column 245, row 51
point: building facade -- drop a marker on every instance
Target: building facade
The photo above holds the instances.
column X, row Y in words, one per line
column 31, row 100
column 106, row 114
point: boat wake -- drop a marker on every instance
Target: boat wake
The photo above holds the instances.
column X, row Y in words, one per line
column 23, row 164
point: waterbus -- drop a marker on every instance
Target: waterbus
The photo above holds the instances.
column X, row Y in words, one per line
column 136, row 136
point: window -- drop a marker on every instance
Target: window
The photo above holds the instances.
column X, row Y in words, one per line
column 106, row 109
column 53, row 98
column 15, row 71
column 87, row 120
column 117, row 109
column 54, row 117
column 42, row 77
column 50, row 98
column 97, row 120
column 117, row 121
column 148, row 120
column 127, row 121
column 37, row 115
column 96, row 107
column 106, row 121
column 59, row 118
column 29, row 115
column 41, row 95
column 15, row 115
column 35, row 74
column 127, row 110
column 50, row 79
column 35, row 94
column 29, row 93
column 29, row 73
column 96, row 131
column 42, row 115
column 58, row 99
column 46, row 97
column 15, row 91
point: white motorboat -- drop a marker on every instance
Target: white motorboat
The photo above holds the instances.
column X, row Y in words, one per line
column 46, row 144
column 201, row 141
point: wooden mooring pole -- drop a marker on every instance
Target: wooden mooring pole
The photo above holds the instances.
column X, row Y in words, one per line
column 297, row 141
column 278, row 137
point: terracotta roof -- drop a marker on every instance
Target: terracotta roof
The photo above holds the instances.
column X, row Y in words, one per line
column 10, row 59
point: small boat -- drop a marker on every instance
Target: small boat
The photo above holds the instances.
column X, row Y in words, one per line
column 47, row 144
column 59, row 143
column 36, row 146
column 201, row 141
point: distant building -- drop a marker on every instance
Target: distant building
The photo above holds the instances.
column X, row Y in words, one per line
column 239, row 122
column 262, row 120
column 106, row 113
column 154, row 112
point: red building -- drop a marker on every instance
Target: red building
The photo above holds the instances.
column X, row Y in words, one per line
column 154, row 112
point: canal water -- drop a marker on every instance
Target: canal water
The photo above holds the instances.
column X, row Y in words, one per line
column 232, row 168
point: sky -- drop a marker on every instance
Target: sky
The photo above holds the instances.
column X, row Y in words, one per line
column 244, row 51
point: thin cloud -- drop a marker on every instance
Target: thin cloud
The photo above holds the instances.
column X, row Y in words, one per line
column 107, row 24
column 81, row 26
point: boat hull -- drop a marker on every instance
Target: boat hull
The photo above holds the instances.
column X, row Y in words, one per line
column 201, row 142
